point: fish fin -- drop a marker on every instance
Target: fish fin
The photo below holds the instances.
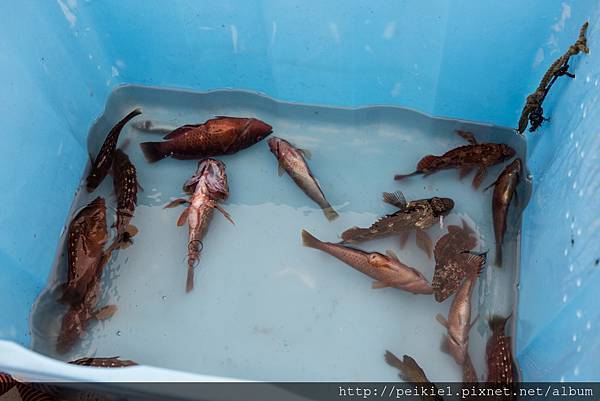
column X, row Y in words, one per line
column 424, row 242
column 140, row 187
column 475, row 263
column 153, row 151
column 445, row 344
column 489, row 186
column 498, row 322
column 498, row 260
column 425, row 164
column 392, row 255
column 442, row 320
column 190, row 184
column 91, row 158
column 395, row 199
column 189, row 283
column 105, row 312
column 227, row 215
column 464, row 171
column 280, row 169
column 330, row 213
column 180, row 131
column 473, row 322
column 466, row 227
column 310, row 240
column 306, row 153
column 397, row 363
column 403, row 238
column 399, row 177
column 516, row 197
column 468, row 136
column 479, row 176
column 175, row 203
column 183, row 217
column 379, row 284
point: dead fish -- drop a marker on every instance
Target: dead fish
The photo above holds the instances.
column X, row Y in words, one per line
column 411, row 372
column 416, row 215
column 500, row 364
column 504, row 189
column 216, row 137
column 451, row 259
column 291, row 160
column 388, row 271
column 113, row 362
column 126, row 187
column 86, row 237
column 208, row 187
column 466, row 158
column 101, row 165
column 458, row 325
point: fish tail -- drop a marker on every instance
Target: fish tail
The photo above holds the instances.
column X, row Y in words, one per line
column 153, row 151
column 310, row 240
column 399, row 177
column 189, row 285
column 499, row 255
column 330, row 213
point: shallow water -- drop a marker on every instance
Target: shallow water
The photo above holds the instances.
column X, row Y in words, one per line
column 265, row 307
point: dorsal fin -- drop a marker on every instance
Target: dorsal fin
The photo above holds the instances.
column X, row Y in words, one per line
column 392, row 255
column 395, row 199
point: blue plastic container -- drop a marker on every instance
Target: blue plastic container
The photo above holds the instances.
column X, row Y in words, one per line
column 469, row 60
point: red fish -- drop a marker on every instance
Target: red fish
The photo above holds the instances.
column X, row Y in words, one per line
column 451, row 261
column 459, row 323
column 216, row 137
column 388, row 271
column 101, row 165
column 126, row 187
column 208, row 187
column 504, row 189
column 474, row 155
column 292, row 161
column 501, row 368
column 113, row 362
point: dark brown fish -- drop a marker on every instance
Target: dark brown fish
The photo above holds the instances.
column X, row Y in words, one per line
column 104, row 159
column 501, row 368
column 113, row 362
column 416, row 215
column 458, row 325
column 29, row 392
column 388, row 271
column 292, row 161
column 208, row 187
column 216, row 137
column 451, row 259
column 504, row 189
column 411, row 372
column 86, row 237
column 126, row 187
column 466, row 158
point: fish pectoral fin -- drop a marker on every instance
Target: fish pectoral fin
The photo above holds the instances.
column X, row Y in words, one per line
column 403, row 238
column 395, row 199
column 227, row 215
column 468, row 136
column 140, row 187
column 105, row 312
column 91, row 158
column 183, row 217
column 175, row 203
column 479, row 176
column 489, row 186
column 424, row 242
column 306, row 153
column 280, row 169
column 392, row 255
column 464, row 171
column 442, row 320
column 379, row 284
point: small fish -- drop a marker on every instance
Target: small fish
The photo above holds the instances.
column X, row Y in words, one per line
column 504, row 189
column 501, row 368
column 208, row 187
column 292, row 161
column 101, row 165
column 388, row 271
column 474, row 155
column 86, row 237
column 416, row 215
column 411, row 372
column 216, row 137
column 113, row 362
column 126, row 187
column 459, row 324
column 451, row 259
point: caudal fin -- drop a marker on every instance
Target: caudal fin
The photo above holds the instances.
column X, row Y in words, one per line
column 189, row 285
column 310, row 240
column 153, row 151
column 330, row 213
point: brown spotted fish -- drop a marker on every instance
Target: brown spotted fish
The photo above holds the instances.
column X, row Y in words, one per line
column 501, row 368
column 208, row 187
column 126, row 187
column 103, row 162
column 216, row 137
column 465, row 158
column 416, row 215
column 411, row 372
column 291, row 160
column 113, row 362
column 451, row 259
column 387, row 270
column 504, row 189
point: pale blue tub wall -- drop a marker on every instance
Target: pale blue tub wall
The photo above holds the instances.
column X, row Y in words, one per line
column 60, row 60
